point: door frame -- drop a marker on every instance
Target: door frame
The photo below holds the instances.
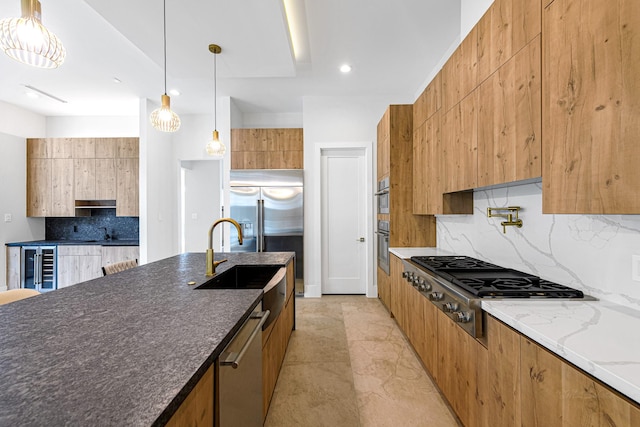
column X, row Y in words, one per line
column 313, row 222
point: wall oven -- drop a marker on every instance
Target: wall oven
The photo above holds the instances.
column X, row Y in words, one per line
column 383, row 196
column 383, row 245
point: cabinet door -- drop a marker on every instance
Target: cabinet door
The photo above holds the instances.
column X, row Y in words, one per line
column 384, row 288
column 420, row 168
column 127, row 187
column 13, row 267
column 504, row 29
column 197, row 408
column 106, row 180
column 84, row 175
column 591, row 103
column 78, row 264
column 62, row 183
column 460, row 145
column 127, row 148
column 113, row 254
column 38, row 187
column 460, row 72
column 83, row 148
column 397, row 286
column 504, row 374
column 510, row 120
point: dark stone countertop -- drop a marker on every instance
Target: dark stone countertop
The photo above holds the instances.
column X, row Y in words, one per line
column 124, row 349
column 114, row 242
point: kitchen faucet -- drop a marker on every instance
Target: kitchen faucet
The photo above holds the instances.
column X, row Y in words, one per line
column 106, row 233
column 211, row 264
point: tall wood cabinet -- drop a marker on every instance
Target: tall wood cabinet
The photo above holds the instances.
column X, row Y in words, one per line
column 395, row 155
column 591, row 104
column 267, row 148
column 61, row 171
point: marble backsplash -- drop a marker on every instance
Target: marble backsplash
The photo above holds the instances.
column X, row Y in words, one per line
column 592, row 253
column 94, row 227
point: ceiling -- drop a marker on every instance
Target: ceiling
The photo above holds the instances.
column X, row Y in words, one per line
column 392, row 45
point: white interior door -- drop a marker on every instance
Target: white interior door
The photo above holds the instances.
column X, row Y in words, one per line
column 344, row 247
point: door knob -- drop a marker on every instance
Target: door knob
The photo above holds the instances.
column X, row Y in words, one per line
column 360, row 239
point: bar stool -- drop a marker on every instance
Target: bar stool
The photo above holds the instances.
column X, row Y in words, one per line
column 119, row 266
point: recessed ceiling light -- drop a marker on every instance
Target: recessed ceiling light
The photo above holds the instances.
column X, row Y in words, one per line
column 345, row 68
column 117, row 80
column 32, row 95
column 174, row 92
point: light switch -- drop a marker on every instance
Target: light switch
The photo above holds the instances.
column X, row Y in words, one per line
column 194, row 215
column 7, row 218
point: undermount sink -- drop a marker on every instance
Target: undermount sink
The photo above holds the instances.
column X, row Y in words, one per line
column 271, row 279
column 242, row 277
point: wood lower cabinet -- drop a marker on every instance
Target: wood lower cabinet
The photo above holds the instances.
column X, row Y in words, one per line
column 197, row 408
column 113, row 254
column 275, row 340
column 13, row 254
column 503, row 374
column 397, row 290
column 554, row 393
column 591, row 103
column 78, row 264
column 384, row 288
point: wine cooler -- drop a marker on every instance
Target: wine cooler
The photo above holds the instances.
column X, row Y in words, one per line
column 38, row 268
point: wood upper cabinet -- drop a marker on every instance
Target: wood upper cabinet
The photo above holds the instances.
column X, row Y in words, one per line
column 504, row 29
column 459, row 151
column 63, row 170
column 427, row 159
column 383, row 145
column 267, row 148
column 127, row 193
column 428, row 102
column 591, row 105
column 510, row 120
column 554, row 393
column 460, row 72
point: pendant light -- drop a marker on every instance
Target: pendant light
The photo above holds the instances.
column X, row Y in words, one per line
column 215, row 147
column 163, row 118
column 26, row 40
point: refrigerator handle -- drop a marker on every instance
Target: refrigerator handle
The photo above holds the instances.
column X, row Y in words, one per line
column 260, row 242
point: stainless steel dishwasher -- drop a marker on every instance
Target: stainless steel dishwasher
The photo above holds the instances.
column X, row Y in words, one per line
column 240, row 375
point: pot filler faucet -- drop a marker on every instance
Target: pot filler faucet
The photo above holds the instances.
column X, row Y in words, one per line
column 211, row 264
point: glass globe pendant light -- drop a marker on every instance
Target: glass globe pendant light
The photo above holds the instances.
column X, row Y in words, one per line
column 26, row 40
column 215, row 147
column 163, row 118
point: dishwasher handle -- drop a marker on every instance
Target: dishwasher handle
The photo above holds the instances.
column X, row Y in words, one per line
column 233, row 359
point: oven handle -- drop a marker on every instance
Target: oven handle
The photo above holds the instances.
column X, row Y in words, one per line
column 380, row 193
column 233, row 359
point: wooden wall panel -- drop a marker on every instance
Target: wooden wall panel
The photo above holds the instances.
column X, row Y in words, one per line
column 510, row 120
column 591, row 99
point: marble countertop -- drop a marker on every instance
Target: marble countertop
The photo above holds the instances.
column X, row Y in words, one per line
column 124, row 349
column 600, row 337
column 112, row 242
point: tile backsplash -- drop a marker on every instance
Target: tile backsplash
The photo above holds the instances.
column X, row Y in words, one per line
column 93, row 227
column 592, row 253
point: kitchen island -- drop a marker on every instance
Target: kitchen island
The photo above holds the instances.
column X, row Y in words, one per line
column 124, row 349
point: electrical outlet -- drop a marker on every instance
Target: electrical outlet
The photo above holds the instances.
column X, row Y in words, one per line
column 635, row 268
column 7, row 218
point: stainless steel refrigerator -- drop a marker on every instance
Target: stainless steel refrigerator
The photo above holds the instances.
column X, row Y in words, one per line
column 268, row 205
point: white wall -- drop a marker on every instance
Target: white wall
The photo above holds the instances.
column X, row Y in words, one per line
column 331, row 122
column 280, row 120
column 202, row 198
column 92, row 126
column 20, row 122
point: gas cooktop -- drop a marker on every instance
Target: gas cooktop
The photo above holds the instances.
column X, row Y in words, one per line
column 486, row 280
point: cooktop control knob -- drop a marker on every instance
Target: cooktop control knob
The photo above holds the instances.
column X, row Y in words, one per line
column 405, row 274
column 409, row 276
column 462, row 317
column 426, row 287
column 450, row 307
column 436, row 296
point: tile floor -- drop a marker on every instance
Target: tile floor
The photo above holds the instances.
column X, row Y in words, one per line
column 348, row 364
